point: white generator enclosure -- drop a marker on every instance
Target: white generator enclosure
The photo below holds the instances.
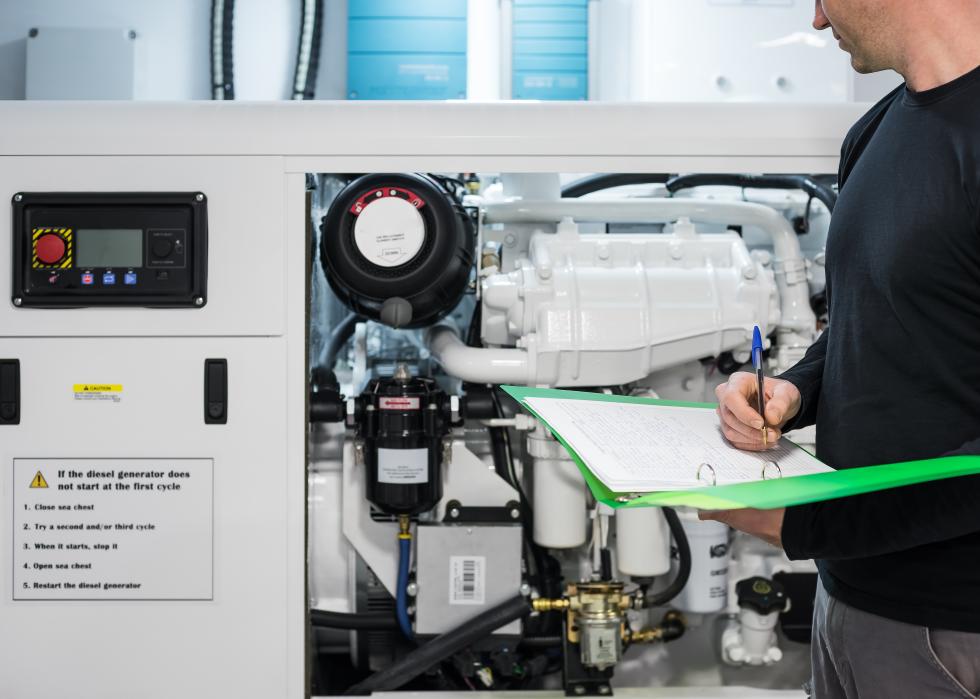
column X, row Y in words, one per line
column 252, row 437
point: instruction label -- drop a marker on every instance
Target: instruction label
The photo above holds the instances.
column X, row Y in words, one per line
column 98, row 391
column 113, row 529
column 403, row 465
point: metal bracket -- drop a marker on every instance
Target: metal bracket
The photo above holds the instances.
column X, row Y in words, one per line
column 510, row 513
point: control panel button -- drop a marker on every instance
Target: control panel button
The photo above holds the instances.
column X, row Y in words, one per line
column 129, row 279
column 162, row 247
column 163, row 275
column 88, row 279
column 49, row 248
column 109, row 279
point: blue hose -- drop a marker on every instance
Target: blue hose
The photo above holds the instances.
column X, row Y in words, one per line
column 401, row 596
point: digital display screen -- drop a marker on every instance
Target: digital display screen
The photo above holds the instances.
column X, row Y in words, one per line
column 109, row 247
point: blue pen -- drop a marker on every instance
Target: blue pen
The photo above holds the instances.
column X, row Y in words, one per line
column 757, row 363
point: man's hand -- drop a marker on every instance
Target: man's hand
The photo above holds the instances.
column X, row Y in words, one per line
column 765, row 524
column 740, row 420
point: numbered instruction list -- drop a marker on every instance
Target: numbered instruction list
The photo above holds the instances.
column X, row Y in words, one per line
column 113, row 529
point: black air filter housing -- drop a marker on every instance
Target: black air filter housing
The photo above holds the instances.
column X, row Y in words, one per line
column 398, row 248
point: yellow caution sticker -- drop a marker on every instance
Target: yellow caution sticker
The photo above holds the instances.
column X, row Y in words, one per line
column 98, row 391
column 98, row 388
column 39, row 481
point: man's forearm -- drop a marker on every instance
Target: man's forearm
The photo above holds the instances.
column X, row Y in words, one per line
column 883, row 522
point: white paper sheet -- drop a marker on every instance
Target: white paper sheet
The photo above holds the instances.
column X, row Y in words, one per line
column 634, row 447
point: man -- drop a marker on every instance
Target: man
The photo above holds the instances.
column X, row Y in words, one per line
column 896, row 377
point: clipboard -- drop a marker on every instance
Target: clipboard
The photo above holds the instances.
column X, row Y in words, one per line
column 763, row 494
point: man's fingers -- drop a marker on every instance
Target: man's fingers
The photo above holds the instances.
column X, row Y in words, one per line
column 783, row 404
column 744, row 433
column 740, row 442
column 729, row 420
column 714, row 515
column 736, row 399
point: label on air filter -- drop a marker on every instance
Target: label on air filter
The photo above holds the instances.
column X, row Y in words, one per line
column 403, row 466
column 399, row 403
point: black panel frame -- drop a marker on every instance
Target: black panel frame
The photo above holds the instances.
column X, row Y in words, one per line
column 193, row 295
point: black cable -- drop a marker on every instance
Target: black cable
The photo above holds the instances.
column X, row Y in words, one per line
column 438, row 649
column 504, row 465
column 683, row 567
column 503, row 461
column 808, row 184
column 473, row 331
column 365, row 621
column 596, row 183
column 222, row 63
column 308, row 50
column 606, row 564
column 339, row 336
column 540, row 642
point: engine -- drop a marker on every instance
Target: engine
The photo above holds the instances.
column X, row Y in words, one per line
column 453, row 542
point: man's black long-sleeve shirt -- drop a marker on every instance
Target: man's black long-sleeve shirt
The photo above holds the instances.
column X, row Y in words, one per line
column 896, row 377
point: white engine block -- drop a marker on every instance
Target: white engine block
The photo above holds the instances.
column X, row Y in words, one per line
column 605, row 309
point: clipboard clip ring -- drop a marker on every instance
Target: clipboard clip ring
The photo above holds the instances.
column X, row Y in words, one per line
column 628, row 497
column 765, row 468
column 714, row 475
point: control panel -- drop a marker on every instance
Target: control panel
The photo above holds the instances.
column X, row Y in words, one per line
column 82, row 249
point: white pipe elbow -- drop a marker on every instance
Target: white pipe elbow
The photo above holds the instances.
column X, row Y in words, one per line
column 477, row 364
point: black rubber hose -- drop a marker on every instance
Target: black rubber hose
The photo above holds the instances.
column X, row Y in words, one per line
column 608, row 180
column 606, row 558
column 540, row 642
column 442, row 647
column 341, row 333
column 683, row 567
column 308, row 50
column 222, row 64
column 806, row 183
column 366, row 621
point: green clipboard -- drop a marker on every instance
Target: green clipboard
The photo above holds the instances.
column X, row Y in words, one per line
column 781, row 492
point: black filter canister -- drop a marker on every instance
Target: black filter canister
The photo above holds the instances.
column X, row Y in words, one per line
column 398, row 248
column 401, row 422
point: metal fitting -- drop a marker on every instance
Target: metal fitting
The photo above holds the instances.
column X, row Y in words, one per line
column 550, row 605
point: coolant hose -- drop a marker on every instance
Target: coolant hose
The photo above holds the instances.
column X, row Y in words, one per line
column 367, row 621
column 442, row 647
column 809, row 185
column 683, row 565
column 338, row 338
column 608, row 180
column 401, row 596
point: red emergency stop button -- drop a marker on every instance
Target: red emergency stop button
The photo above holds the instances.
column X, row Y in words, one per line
column 49, row 248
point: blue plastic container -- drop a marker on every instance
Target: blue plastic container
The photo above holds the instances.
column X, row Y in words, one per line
column 406, row 50
column 551, row 50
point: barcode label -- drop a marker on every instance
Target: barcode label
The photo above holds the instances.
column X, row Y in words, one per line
column 467, row 579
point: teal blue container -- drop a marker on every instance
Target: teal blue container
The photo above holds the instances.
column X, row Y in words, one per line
column 406, row 50
column 550, row 50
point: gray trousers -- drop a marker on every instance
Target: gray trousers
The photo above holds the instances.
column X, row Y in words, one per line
column 857, row 655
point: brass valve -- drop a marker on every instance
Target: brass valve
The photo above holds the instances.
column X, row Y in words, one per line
column 671, row 627
column 550, row 605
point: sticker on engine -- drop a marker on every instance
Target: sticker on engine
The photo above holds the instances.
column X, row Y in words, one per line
column 403, row 466
column 467, row 579
column 98, row 391
column 399, row 403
